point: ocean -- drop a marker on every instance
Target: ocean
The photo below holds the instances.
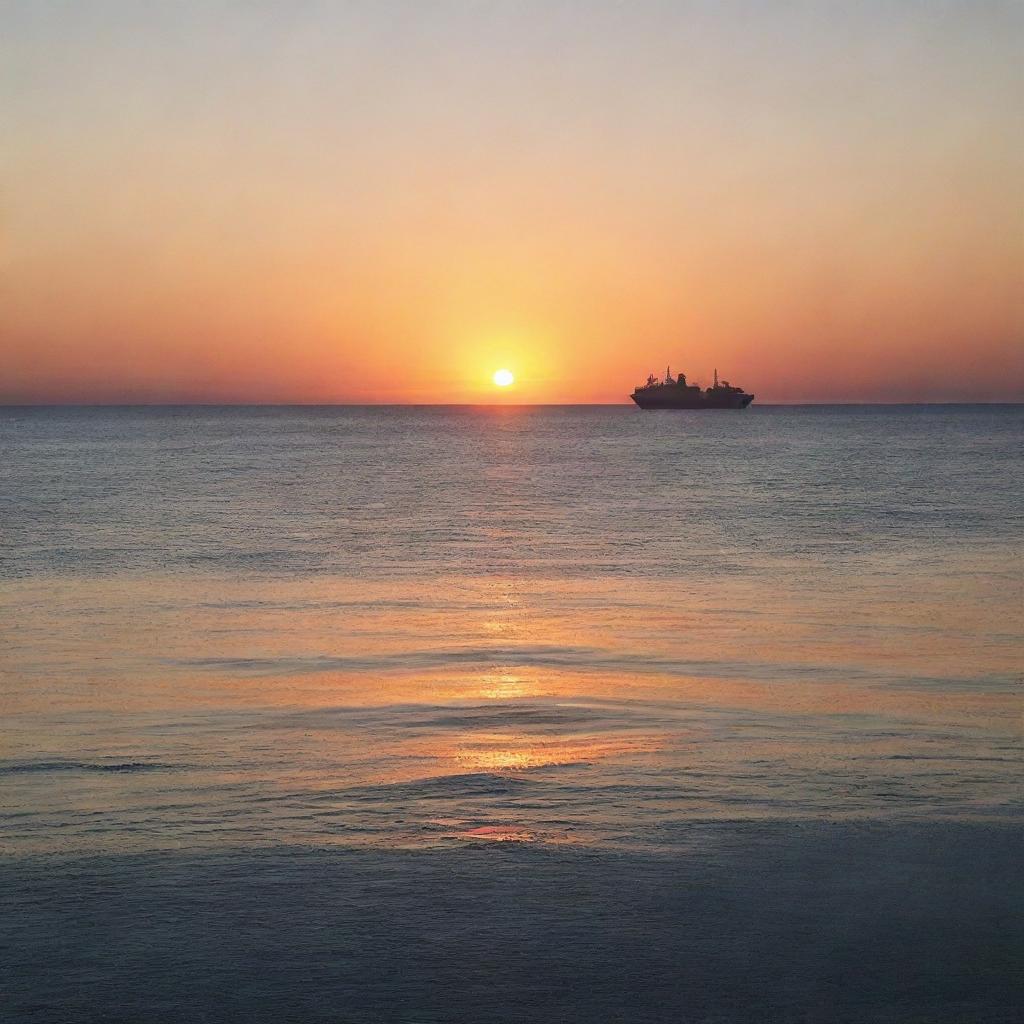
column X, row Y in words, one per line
column 400, row 714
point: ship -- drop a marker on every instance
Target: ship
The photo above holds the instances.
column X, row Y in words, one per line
column 675, row 393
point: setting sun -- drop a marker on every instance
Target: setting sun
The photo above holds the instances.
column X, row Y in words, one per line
column 503, row 378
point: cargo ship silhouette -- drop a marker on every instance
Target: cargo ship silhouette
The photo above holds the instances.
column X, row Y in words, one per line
column 675, row 393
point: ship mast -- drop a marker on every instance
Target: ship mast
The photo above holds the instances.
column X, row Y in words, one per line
column 716, row 376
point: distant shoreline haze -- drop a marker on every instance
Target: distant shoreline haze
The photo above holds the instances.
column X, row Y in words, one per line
column 768, row 388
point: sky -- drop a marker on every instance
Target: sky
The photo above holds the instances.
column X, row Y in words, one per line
column 387, row 202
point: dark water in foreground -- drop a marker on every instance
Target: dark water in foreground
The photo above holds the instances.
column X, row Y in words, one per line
column 511, row 715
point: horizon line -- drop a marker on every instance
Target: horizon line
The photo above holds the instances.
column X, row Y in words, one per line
column 470, row 405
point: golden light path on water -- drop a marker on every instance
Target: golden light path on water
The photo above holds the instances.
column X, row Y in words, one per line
column 669, row 686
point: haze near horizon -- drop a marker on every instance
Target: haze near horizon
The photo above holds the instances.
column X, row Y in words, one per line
column 391, row 202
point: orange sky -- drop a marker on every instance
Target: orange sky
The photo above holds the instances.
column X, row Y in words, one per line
column 387, row 202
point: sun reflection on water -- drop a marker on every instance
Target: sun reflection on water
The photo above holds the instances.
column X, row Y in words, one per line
column 495, row 752
column 508, row 687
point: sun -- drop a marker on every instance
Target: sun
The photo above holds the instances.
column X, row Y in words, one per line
column 503, row 378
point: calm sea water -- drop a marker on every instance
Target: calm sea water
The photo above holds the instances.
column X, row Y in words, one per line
column 511, row 714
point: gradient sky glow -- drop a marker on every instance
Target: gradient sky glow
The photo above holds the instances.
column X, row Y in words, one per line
column 386, row 202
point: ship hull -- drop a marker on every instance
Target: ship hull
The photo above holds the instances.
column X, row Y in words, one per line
column 704, row 401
